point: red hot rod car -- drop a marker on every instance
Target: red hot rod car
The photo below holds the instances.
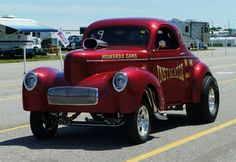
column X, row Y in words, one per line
column 127, row 71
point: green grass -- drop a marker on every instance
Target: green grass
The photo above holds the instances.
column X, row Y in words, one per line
column 35, row 58
column 38, row 58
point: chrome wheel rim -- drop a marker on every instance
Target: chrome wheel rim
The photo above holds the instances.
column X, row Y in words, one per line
column 211, row 101
column 143, row 121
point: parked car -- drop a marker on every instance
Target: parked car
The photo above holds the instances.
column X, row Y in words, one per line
column 75, row 42
column 129, row 71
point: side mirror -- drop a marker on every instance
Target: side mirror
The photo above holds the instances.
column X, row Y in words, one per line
column 162, row 44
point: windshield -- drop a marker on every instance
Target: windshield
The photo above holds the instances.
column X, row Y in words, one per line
column 121, row 35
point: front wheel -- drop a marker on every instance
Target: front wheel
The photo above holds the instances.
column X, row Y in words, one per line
column 206, row 111
column 139, row 124
column 43, row 125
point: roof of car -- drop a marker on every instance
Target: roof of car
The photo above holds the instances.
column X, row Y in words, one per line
column 147, row 22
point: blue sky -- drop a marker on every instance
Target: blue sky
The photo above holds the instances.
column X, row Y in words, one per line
column 71, row 14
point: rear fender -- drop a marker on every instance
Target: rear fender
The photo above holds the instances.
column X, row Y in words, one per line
column 200, row 71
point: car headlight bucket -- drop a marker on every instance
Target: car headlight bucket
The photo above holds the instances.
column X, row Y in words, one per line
column 120, row 81
column 30, row 80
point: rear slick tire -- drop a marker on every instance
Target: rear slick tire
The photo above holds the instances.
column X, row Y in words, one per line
column 206, row 111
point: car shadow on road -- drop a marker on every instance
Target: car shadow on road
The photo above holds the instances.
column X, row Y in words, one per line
column 174, row 121
column 88, row 138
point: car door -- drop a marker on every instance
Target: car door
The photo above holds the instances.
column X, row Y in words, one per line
column 168, row 66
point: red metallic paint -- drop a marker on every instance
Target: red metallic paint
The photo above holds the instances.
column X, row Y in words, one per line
column 85, row 67
column 80, row 64
column 109, row 100
column 199, row 72
column 36, row 100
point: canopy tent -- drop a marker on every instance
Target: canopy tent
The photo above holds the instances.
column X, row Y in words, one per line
column 25, row 25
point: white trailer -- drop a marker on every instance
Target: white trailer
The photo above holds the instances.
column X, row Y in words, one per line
column 194, row 33
column 17, row 34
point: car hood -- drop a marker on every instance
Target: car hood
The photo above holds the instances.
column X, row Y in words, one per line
column 82, row 63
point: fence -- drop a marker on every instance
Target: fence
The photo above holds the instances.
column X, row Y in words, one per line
column 23, row 53
column 58, row 51
column 225, row 43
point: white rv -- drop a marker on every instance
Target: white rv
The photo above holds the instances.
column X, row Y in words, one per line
column 16, row 34
column 194, row 32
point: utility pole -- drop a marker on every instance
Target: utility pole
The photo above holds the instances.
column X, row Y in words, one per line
column 229, row 28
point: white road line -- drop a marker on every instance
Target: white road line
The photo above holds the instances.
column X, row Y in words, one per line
column 225, row 72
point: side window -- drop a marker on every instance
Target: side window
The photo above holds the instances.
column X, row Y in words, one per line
column 27, row 33
column 206, row 29
column 186, row 29
column 10, row 30
column 165, row 39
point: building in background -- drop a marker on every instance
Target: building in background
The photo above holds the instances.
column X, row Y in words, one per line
column 223, row 37
column 194, row 32
column 223, row 41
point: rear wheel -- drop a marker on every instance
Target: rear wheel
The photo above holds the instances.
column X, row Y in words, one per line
column 206, row 111
column 43, row 125
column 139, row 124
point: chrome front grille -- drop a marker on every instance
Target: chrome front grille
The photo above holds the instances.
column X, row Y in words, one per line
column 72, row 95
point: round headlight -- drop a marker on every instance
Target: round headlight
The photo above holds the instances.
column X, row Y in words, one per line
column 30, row 80
column 120, row 81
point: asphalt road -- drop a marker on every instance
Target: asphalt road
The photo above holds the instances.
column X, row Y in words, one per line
column 172, row 140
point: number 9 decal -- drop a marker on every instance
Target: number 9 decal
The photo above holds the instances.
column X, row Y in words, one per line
column 100, row 33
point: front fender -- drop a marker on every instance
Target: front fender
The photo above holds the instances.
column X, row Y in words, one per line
column 199, row 73
column 138, row 80
column 110, row 101
column 129, row 99
column 36, row 100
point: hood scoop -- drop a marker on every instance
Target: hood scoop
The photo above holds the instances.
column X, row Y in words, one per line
column 91, row 43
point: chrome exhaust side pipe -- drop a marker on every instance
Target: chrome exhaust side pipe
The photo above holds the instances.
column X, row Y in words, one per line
column 158, row 114
column 91, row 43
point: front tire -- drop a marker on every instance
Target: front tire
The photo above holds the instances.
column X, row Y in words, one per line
column 43, row 125
column 206, row 111
column 139, row 124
